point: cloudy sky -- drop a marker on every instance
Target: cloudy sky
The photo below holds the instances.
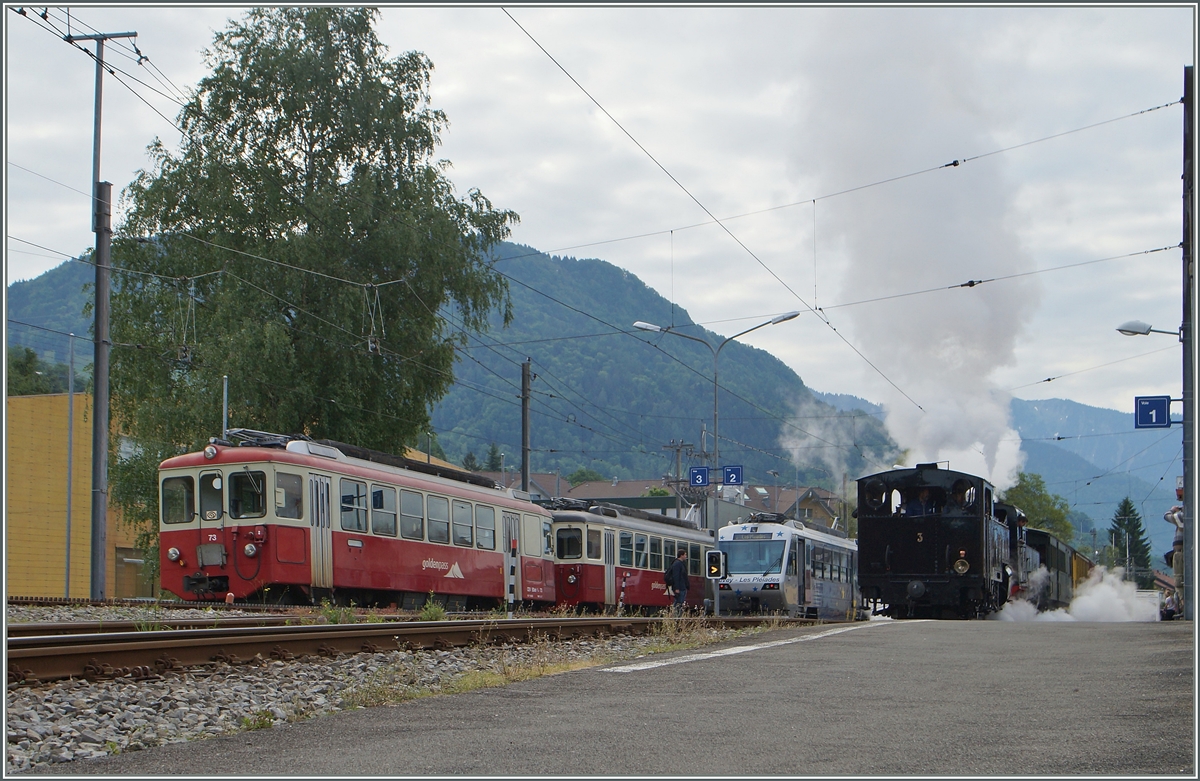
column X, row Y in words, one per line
column 816, row 135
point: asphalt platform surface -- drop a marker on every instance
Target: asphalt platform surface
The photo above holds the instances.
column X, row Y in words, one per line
column 923, row 698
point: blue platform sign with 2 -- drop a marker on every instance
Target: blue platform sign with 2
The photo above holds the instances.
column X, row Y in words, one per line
column 1152, row 412
column 733, row 475
column 698, row 476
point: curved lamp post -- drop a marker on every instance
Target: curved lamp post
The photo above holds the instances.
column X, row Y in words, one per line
column 1138, row 328
column 644, row 326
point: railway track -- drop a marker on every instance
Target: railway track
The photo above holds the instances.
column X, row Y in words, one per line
column 146, row 654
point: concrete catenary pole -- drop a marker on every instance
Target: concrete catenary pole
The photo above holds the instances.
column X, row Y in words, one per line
column 102, row 226
column 1185, row 335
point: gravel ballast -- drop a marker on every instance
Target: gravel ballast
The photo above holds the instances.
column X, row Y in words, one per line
column 73, row 720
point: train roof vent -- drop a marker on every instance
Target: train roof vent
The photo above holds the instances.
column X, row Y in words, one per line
column 519, row 494
column 323, row 450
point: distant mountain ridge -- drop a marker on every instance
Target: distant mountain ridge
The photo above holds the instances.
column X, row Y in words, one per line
column 602, row 386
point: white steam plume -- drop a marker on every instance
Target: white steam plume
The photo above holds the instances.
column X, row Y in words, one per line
column 889, row 104
column 1104, row 596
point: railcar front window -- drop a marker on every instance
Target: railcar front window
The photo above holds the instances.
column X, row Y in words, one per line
column 412, row 515
column 178, row 499
column 439, row 519
column 626, row 559
column 485, row 527
column 247, row 494
column 211, row 500
column 753, row 557
column 289, row 495
column 354, row 505
column 570, row 543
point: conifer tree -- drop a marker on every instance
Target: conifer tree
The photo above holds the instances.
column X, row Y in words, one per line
column 1127, row 527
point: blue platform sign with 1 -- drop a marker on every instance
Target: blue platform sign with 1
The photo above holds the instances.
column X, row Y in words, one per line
column 733, row 475
column 698, row 475
column 1152, row 412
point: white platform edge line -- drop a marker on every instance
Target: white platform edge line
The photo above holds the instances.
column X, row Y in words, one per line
column 741, row 649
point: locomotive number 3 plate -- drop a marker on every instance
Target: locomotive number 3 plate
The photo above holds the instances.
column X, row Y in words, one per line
column 920, row 537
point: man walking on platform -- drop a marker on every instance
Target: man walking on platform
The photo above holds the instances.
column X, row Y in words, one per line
column 678, row 579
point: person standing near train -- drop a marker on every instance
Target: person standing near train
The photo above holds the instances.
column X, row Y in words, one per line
column 677, row 579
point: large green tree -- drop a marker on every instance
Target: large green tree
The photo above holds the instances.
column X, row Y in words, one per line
column 1127, row 544
column 1045, row 510
column 304, row 242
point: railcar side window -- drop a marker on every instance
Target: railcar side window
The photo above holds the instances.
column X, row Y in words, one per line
column 626, row 548
column 178, row 499
column 439, row 519
column 247, row 494
column 211, row 500
column 412, row 515
column 693, row 558
column 463, row 529
column 791, row 563
column 289, row 495
column 547, row 539
column 593, row 544
column 570, row 543
column 485, row 527
column 656, row 559
column 383, row 510
column 533, row 546
column 354, row 505
column 668, row 553
column 639, row 551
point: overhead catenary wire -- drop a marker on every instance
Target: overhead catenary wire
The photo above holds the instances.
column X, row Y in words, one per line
column 713, row 217
column 956, row 162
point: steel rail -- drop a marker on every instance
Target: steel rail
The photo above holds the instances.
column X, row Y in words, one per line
column 140, row 655
column 46, row 629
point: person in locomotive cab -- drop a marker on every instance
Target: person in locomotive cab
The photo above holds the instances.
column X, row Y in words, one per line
column 677, row 579
column 919, row 504
column 958, row 499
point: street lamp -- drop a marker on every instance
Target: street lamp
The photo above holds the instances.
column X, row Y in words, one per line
column 1138, row 328
column 644, row 326
column 775, row 505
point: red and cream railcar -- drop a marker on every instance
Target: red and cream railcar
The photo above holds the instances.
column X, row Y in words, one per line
column 607, row 556
column 287, row 519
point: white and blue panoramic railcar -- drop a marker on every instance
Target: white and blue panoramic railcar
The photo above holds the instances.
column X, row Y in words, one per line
column 777, row 565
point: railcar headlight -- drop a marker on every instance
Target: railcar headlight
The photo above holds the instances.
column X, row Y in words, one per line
column 571, row 578
column 173, row 554
column 210, row 452
column 961, row 566
column 251, row 550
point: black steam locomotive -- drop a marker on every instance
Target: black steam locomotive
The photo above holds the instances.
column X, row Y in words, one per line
column 931, row 544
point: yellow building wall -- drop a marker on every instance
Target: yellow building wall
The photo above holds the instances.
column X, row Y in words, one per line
column 35, row 527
